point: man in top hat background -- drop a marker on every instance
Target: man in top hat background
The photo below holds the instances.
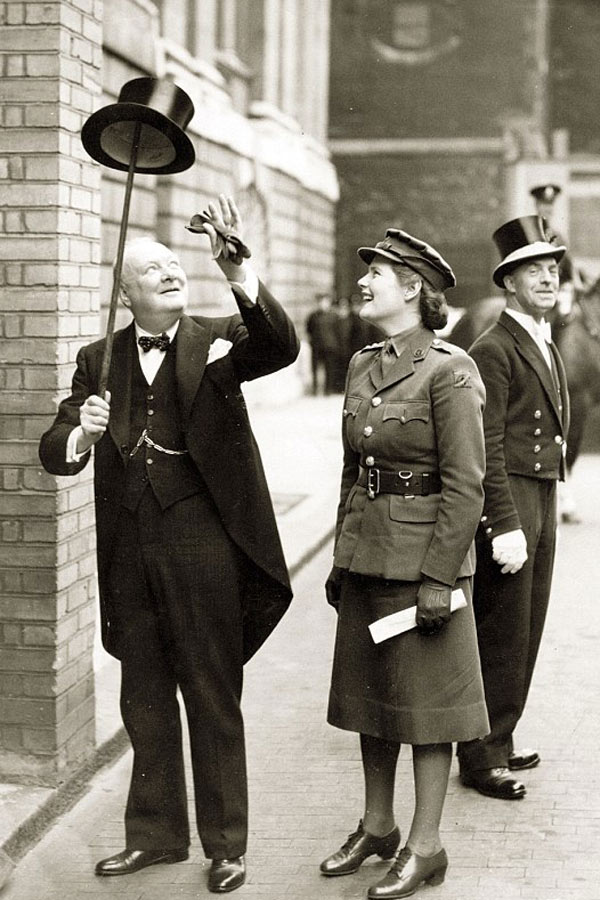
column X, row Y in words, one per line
column 191, row 572
column 544, row 197
column 525, row 422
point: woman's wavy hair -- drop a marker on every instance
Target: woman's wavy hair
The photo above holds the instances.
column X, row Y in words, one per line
column 432, row 303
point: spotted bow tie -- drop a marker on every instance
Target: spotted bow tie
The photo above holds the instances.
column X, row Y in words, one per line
column 160, row 341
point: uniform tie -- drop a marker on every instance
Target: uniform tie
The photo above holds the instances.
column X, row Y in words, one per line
column 387, row 357
column 160, row 341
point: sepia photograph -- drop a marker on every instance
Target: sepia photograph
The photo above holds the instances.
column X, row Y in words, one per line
column 299, row 449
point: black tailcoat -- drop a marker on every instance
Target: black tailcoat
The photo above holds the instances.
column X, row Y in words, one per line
column 218, row 437
column 526, row 420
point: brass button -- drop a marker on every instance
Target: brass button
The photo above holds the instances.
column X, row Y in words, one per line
column 537, row 448
column 370, row 461
column 537, row 432
column 537, row 414
column 537, row 467
column 149, row 396
column 150, row 412
column 150, row 461
column 484, row 518
column 558, row 439
column 488, row 530
column 376, row 401
column 368, row 430
column 436, row 342
column 418, row 352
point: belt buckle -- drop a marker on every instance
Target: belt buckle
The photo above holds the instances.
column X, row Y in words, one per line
column 405, row 475
column 373, row 482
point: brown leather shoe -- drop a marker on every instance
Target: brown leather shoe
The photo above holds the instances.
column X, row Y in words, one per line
column 226, row 875
column 408, row 872
column 360, row 844
column 129, row 861
column 497, row 783
column 523, row 759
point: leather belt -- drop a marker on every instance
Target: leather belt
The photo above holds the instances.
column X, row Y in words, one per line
column 402, row 481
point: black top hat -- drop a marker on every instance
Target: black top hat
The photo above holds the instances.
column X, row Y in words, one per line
column 163, row 109
column 528, row 237
column 401, row 247
column 546, row 192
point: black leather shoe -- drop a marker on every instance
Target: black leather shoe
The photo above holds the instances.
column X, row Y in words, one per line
column 360, row 844
column 129, row 861
column 496, row 783
column 523, row 759
column 408, row 872
column 226, row 875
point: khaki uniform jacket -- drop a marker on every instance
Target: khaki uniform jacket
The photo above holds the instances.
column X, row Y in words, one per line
column 425, row 415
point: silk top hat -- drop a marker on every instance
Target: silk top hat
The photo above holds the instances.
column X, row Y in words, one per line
column 401, row 247
column 528, row 237
column 546, row 192
column 163, row 111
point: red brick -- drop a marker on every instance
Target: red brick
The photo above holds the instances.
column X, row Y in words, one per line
column 11, row 738
column 26, row 660
column 11, row 634
column 38, row 636
column 39, row 531
column 43, row 685
column 11, row 531
column 12, row 685
column 28, row 505
column 79, row 718
column 39, row 740
column 43, row 581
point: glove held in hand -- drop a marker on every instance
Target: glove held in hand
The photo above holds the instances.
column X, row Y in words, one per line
column 433, row 606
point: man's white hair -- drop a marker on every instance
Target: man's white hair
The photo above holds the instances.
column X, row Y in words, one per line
column 131, row 245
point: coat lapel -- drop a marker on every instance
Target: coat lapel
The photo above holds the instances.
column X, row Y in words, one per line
column 119, row 384
column 526, row 346
column 193, row 343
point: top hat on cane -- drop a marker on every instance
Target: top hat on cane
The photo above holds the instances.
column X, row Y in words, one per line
column 528, row 237
column 162, row 109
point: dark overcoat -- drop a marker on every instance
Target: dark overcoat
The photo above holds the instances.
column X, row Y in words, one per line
column 218, row 437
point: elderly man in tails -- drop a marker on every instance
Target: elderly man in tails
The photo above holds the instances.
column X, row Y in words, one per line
column 191, row 573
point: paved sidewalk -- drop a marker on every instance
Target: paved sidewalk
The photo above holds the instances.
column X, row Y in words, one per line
column 305, row 777
column 300, row 446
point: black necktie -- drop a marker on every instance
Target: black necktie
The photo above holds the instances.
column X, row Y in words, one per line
column 160, row 341
column 387, row 357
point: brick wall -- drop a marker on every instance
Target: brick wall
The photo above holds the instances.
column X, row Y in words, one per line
column 50, row 56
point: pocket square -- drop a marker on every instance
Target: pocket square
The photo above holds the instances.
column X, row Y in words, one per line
column 218, row 349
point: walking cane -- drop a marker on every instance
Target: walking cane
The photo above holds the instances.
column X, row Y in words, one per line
column 143, row 132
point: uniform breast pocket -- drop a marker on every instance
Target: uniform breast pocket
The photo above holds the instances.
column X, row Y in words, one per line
column 414, row 509
column 405, row 411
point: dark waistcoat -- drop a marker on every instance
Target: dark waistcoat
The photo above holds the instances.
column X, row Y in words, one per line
column 154, row 407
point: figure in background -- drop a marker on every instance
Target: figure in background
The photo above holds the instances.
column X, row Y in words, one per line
column 320, row 330
column 526, row 420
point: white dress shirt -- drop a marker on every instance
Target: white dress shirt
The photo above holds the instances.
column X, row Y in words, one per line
column 539, row 331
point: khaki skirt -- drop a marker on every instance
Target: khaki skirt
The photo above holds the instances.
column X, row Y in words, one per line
column 411, row 688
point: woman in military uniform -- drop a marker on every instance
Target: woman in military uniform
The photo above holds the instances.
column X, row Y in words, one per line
column 411, row 499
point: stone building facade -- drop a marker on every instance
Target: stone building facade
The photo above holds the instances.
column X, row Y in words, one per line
column 444, row 113
column 256, row 71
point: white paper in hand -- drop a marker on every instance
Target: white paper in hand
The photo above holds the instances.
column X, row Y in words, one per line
column 406, row 619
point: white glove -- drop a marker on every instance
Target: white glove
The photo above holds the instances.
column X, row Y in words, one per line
column 509, row 550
